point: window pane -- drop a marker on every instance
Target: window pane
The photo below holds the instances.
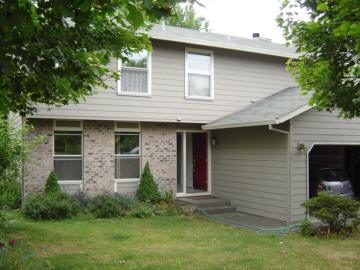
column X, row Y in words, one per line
column 68, row 168
column 137, row 60
column 127, row 144
column 199, row 85
column 127, row 167
column 133, row 80
column 199, row 63
column 67, row 144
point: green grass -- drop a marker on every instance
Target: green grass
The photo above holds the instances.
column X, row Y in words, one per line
column 175, row 243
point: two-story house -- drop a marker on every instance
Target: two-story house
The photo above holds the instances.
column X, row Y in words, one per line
column 212, row 114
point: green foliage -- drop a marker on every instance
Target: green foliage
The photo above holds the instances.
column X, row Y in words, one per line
column 3, row 225
column 105, row 206
column 59, row 50
column 52, row 184
column 148, row 189
column 10, row 193
column 307, row 228
column 334, row 211
column 329, row 47
column 168, row 197
column 142, row 210
column 47, row 206
column 186, row 17
column 165, row 209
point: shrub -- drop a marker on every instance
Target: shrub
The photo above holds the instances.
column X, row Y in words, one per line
column 168, row 197
column 334, row 211
column 104, row 206
column 307, row 228
column 52, row 184
column 148, row 189
column 48, row 206
column 3, row 225
column 142, row 210
column 165, row 209
column 10, row 193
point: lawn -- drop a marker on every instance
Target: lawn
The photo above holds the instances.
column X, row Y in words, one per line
column 175, row 243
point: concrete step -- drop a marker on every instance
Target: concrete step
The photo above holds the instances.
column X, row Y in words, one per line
column 206, row 202
column 219, row 209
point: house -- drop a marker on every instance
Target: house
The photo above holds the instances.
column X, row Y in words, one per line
column 212, row 114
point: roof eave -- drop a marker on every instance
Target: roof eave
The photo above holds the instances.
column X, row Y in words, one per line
column 216, row 45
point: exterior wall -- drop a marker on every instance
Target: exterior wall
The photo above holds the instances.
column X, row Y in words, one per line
column 309, row 128
column 99, row 157
column 250, row 168
column 40, row 163
column 158, row 146
column 239, row 78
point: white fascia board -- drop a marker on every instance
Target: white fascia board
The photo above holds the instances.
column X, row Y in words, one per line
column 292, row 114
column 236, row 125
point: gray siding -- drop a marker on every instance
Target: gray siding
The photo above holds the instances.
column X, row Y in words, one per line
column 309, row 128
column 127, row 188
column 238, row 79
column 250, row 168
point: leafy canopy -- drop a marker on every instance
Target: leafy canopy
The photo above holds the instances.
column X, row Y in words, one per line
column 186, row 17
column 56, row 52
column 329, row 47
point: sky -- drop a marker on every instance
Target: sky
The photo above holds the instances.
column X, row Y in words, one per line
column 243, row 17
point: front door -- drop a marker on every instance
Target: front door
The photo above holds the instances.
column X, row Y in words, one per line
column 200, row 171
column 192, row 163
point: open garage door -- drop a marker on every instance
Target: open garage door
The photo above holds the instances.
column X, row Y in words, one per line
column 335, row 168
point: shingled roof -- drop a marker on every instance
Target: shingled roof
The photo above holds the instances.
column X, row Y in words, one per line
column 274, row 109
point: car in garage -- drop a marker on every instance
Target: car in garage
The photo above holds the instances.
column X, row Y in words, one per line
column 335, row 182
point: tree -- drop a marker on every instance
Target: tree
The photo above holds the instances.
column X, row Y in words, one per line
column 56, row 52
column 186, row 17
column 329, row 46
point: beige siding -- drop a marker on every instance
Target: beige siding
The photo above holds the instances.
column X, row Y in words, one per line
column 250, row 168
column 309, row 128
column 238, row 79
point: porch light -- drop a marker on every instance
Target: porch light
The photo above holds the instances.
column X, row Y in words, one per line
column 213, row 141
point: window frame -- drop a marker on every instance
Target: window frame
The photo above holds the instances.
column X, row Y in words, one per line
column 64, row 129
column 149, row 72
column 197, row 50
column 127, row 131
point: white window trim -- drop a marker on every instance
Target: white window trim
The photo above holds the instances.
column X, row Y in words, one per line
column 128, row 131
column 195, row 50
column 79, row 156
column 119, row 130
column 149, row 72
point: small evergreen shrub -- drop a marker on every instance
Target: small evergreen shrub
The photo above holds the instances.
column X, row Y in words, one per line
column 307, row 228
column 148, row 189
column 47, row 206
column 52, row 184
column 142, row 210
column 334, row 211
column 104, row 206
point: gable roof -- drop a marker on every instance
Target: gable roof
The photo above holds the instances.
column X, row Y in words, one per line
column 274, row 109
column 195, row 37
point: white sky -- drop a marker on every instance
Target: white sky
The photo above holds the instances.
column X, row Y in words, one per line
column 243, row 17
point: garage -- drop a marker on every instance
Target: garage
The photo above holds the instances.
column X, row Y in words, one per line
column 334, row 168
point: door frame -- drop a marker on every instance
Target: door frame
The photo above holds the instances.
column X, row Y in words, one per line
column 184, row 193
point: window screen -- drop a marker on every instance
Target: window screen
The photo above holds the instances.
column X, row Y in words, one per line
column 199, row 69
column 127, row 155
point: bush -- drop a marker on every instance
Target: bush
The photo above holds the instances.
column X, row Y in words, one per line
column 168, row 197
column 165, row 209
column 104, row 206
column 148, row 189
column 335, row 211
column 10, row 193
column 52, row 184
column 3, row 225
column 48, row 206
column 142, row 210
column 307, row 228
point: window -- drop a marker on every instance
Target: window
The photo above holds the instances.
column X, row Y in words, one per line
column 68, row 155
column 135, row 74
column 127, row 155
column 199, row 74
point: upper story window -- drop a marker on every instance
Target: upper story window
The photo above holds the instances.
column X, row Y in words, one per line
column 199, row 70
column 135, row 74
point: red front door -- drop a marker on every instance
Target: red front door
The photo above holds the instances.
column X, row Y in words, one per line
column 200, row 171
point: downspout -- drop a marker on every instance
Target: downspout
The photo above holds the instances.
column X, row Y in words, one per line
column 271, row 128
